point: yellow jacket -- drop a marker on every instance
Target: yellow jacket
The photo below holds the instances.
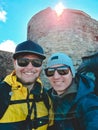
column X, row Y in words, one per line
column 25, row 110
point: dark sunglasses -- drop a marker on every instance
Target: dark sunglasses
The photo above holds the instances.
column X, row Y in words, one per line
column 62, row 70
column 23, row 62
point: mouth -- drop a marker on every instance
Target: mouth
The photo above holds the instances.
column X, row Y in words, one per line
column 58, row 81
column 29, row 73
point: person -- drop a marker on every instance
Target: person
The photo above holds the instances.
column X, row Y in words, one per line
column 75, row 104
column 89, row 67
column 22, row 95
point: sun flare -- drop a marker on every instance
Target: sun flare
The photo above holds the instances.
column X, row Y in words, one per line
column 59, row 8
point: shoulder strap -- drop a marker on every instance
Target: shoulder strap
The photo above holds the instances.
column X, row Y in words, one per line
column 46, row 99
column 38, row 96
column 72, row 116
column 41, row 96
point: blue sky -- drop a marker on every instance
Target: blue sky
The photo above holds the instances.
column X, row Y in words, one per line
column 15, row 15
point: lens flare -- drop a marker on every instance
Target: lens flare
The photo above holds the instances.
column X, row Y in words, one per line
column 59, row 8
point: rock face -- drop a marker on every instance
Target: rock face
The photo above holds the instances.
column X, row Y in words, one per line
column 74, row 32
column 6, row 65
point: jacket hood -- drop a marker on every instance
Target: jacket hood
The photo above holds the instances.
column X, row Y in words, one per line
column 85, row 86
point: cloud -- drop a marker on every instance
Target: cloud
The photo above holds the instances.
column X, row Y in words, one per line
column 3, row 15
column 8, row 46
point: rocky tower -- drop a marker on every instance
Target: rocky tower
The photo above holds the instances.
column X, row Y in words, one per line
column 74, row 32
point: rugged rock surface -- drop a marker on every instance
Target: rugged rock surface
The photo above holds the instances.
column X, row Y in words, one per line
column 6, row 65
column 74, row 33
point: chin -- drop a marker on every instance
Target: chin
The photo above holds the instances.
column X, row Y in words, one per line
column 27, row 83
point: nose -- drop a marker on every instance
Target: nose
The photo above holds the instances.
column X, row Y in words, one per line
column 56, row 75
column 30, row 65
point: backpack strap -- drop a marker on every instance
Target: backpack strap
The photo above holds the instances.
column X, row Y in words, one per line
column 72, row 114
column 46, row 98
column 38, row 96
column 73, row 118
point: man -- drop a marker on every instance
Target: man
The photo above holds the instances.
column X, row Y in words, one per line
column 75, row 105
column 24, row 104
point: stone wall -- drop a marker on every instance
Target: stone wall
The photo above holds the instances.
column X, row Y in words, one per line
column 74, row 33
column 6, row 65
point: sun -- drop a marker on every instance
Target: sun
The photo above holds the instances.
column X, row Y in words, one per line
column 59, row 8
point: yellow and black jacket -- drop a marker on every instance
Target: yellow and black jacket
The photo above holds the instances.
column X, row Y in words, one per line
column 21, row 110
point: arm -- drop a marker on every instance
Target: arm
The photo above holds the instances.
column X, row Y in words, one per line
column 88, row 112
column 89, row 64
column 5, row 96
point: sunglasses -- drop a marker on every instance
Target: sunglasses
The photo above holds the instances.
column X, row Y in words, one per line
column 62, row 70
column 23, row 62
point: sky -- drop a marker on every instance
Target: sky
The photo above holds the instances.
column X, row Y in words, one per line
column 15, row 15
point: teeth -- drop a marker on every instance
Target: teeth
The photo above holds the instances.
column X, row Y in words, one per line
column 29, row 72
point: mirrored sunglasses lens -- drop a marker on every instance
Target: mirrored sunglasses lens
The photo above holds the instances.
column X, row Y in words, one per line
column 22, row 62
column 49, row 72
column 36, row 62
column 63, row 71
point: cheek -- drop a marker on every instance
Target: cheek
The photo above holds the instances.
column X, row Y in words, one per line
column 69, row 79
column 15, row 64
column 37, row 70
column 50, row 80
column 17, row 68
column 18, row 71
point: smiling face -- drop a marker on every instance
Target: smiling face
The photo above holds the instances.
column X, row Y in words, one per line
column 27, row 74
column 60, row 82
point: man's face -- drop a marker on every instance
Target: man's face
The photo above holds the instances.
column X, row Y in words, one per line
column 25, row 71
column 60, row 82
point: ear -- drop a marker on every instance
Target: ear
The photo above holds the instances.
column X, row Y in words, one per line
column 14, row 62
